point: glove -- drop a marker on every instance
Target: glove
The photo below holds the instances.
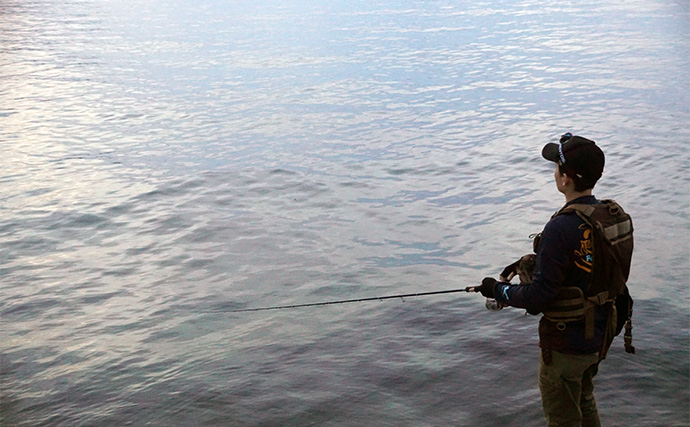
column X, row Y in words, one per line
column 487, row 287
column 524, row 268
column 510, row 271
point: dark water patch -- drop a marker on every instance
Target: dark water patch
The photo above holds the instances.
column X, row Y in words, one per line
column 173, row 261
column 342, row 288
column 166, row 224
column 120, row 271
column 213, row 305
column 403, row 198
column 143, row 250
column 283, row 172
column 135, row 324
column 98, row 298
column 404, row 260
column 183, row 332
column 196, row 264
column 119, row 210
column 33, row 245
column 61, row 220
column 354, row 184
column 169, row 190
column 23, row 310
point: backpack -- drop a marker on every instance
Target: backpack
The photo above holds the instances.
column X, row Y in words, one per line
column 612, row 238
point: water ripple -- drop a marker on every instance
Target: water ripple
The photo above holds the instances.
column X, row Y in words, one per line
column 164, row 164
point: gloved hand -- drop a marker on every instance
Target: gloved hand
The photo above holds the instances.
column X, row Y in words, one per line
column 510, row 271
column 487, row 287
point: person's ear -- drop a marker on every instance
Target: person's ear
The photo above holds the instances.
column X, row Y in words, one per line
column 566, row 181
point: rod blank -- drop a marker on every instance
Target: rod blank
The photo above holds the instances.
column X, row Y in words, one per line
column 314, row 304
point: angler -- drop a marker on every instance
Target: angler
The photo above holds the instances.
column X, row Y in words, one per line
column 583, row 258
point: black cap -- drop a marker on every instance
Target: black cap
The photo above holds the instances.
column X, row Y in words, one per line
column 578, row 157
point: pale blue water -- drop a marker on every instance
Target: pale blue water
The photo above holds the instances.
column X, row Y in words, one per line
column 162, row 162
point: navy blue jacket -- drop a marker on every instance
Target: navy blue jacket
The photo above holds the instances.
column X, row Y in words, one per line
column 564, row 258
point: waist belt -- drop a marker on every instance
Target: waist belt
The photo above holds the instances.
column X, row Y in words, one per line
column 570, row 305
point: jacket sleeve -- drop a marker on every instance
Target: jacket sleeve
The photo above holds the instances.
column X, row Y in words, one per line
column 552, row 261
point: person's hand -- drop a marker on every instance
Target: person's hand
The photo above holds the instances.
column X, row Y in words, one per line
column 487, row 287
column 510, row 271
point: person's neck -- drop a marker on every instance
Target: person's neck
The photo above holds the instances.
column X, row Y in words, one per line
column 572, row 195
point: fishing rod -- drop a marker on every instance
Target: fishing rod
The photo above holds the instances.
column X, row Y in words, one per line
column 346, row 301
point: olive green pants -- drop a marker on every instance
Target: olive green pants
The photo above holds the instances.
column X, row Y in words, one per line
column 567, row 390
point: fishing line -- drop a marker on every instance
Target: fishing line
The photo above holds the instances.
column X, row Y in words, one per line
column 346, row 301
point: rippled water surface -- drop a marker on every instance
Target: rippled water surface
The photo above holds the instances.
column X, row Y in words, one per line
column 165, row 162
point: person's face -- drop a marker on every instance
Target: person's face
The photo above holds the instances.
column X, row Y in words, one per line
column 560, row 180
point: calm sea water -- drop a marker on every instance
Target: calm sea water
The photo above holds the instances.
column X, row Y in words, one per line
column 165, row 162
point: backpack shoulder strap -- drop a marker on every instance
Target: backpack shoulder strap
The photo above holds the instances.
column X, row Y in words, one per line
column 583, row 211
column 596, row 216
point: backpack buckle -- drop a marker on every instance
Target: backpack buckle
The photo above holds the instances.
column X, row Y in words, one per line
column 600, row 299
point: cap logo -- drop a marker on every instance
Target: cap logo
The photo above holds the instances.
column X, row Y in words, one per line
column 560, row 153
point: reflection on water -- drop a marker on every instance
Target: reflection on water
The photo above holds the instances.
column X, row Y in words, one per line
column 163, row 164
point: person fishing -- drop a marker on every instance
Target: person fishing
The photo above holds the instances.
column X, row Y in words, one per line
column 583, row 258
